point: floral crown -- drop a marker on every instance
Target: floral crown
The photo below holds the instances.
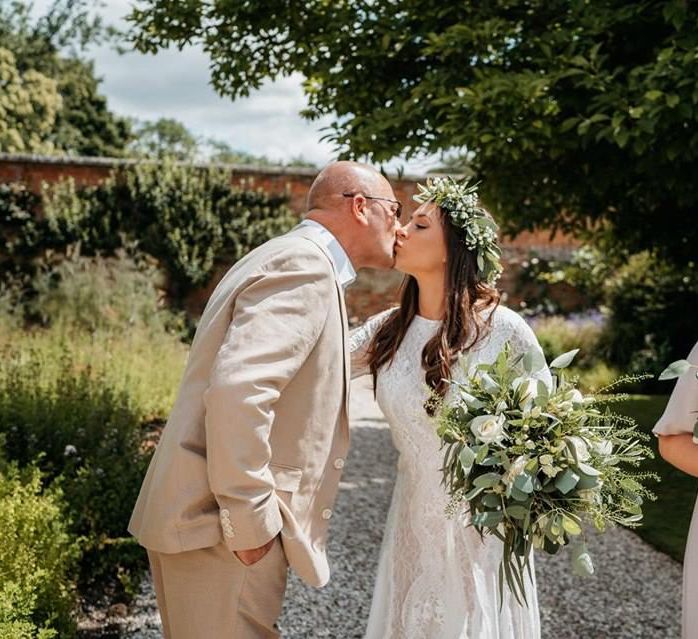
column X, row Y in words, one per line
column 460, row 201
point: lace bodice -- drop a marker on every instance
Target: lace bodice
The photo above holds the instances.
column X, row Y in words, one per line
column 435, row 575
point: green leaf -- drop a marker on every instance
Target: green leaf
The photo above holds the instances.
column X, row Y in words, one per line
column 471, row 494
column 533, row 360
column 570, row 525
column 564, row 360
column 466, row 459
column 566, row 481
column 524, row 483
column 487, row 480
column 675, row 369
column 488, row 519
column 581, row 560
column 481, row 454
column 491, row 500
column 518, row 495
column 516, row 511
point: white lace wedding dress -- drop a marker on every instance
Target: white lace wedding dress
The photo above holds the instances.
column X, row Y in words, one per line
column 436, row 578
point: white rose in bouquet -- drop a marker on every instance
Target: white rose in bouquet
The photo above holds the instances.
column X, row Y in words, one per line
column 489, row 429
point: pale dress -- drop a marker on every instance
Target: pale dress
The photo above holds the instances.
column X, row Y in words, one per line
column 436, row 579
column 679, row 417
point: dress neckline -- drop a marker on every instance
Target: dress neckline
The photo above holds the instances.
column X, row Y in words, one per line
column 421, row 318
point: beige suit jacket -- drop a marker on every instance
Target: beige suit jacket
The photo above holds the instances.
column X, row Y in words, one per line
column 257, row 438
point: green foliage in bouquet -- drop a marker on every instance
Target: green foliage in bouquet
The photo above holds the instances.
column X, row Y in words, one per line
column 534, row 462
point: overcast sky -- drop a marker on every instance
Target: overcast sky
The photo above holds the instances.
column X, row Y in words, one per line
column 175, row 84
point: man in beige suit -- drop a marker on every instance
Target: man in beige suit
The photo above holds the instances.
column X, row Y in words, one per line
column 244, row 479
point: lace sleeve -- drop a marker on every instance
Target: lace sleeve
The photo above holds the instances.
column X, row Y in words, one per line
column 360, row 340
column 522, row 340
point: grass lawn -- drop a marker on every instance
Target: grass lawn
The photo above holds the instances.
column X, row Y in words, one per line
column 666, row 520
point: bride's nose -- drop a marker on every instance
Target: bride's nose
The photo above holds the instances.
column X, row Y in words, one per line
column 401, row 232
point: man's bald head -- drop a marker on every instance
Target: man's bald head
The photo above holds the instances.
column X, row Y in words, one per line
column 344, row 177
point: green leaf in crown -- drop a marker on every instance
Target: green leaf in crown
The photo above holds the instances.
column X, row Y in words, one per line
column 460, row 201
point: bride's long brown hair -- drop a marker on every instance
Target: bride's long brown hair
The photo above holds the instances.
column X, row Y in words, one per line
column 462, row 327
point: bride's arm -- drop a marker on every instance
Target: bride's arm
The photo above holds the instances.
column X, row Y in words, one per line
column 360, row 341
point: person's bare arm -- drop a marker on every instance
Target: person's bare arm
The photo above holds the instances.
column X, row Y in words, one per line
column 680, row 451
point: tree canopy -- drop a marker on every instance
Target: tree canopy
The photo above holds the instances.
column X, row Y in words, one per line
column 53, row 45
column 574, row 113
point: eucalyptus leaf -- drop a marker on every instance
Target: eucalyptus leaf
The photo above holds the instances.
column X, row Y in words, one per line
column 487, row 480
column 570, row 525
column 491, row 500
column 533, row 360
column 564, row 360
column 566, row 481
column 581, row 560
column 524, row 483
column 516, row 511
column 488, row 519
column 675, row 369
column 466, row 459
column 471, row 494
column 481, row 454
column 518, row 495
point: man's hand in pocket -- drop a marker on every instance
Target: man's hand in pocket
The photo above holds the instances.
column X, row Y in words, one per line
column 249, row 557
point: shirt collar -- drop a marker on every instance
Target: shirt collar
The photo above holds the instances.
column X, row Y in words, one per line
column 340, row 260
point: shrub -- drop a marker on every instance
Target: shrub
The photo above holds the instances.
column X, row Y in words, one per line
column 83, row 434
column 651, row 316
column 101, row 294
column 37, row 554
column 187, row 217
column 558, row 335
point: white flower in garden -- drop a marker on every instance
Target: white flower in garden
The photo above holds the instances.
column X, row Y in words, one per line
column 580, row 447
column 489, row 429
column 516, row 468
column 70, row 450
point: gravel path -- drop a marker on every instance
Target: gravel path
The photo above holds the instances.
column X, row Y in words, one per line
column 635, row 593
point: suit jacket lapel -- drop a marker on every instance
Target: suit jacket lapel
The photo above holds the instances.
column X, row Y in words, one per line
column 300, row 231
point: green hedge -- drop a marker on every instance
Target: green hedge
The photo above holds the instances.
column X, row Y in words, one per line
column 189, row 218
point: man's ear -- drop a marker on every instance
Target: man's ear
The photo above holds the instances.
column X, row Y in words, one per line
column 358, row 209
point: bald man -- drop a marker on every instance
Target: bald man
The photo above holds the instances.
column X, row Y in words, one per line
column 245, row 476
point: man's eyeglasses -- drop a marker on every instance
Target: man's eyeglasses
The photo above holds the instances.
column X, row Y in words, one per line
column 396, row 213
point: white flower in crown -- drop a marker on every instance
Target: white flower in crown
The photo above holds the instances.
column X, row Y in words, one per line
column 460, row 201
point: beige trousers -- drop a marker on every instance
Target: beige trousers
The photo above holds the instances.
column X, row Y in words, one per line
column 211, row 594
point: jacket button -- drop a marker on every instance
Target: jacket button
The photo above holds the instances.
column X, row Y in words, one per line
column 339, row 463
column 327, row 513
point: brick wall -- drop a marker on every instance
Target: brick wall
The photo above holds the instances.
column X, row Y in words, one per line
column 372, row 292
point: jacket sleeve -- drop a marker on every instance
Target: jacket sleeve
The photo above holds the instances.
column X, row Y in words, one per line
column 276, row 321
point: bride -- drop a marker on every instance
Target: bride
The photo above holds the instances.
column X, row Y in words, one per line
column 436, row 578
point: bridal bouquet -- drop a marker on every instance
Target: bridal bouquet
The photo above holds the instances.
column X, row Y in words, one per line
column 533, row 463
